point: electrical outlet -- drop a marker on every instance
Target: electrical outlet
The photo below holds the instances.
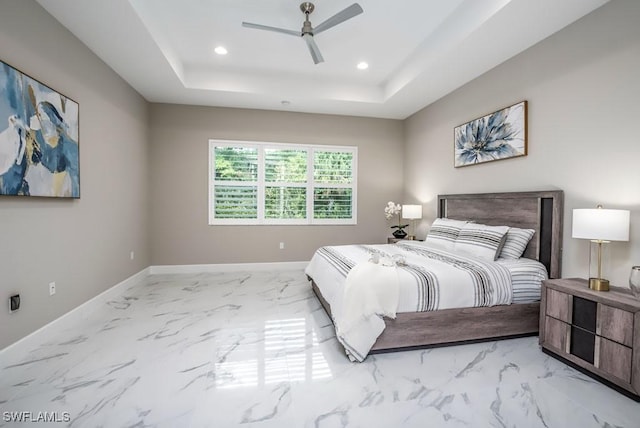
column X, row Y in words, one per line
column 14, row 303
column 52, row 288
column 132, row 255
column 282, row 245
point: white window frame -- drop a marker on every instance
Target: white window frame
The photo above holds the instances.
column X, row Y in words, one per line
column 261, row 183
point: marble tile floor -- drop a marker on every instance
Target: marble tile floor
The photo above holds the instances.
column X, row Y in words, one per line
column 255, row 349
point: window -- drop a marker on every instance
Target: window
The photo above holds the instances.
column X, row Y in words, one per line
column 270, row 183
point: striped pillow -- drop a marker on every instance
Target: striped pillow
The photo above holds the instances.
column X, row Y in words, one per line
column 481, row 240
column 516, row 243
column 443, row 232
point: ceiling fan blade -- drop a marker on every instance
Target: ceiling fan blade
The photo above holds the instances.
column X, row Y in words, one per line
column 339, row 17
column 313, row 48
column 267, row 28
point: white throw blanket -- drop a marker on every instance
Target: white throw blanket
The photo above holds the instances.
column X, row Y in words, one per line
column 371, row 291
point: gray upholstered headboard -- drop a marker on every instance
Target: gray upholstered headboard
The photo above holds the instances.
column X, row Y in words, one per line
column 541, row 211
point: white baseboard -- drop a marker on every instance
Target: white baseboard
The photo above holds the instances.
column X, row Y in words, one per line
column 74, row 316
column 229, row 267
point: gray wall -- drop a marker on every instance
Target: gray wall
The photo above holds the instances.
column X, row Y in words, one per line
column 180, row 233
column 583, row 89
column 83, row 245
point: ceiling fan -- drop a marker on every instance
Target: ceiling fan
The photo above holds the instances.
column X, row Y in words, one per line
column 308, row 31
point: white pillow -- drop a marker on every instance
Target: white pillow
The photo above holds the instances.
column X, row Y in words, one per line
column 443, row 232
column 481, row 240
column 516, row 243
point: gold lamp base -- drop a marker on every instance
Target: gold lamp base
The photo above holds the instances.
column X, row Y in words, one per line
column 599, row 284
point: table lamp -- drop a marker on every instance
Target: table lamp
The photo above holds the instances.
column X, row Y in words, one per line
column 412, row 212
column 600, row 226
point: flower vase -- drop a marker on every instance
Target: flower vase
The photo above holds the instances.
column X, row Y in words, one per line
column 399, row 234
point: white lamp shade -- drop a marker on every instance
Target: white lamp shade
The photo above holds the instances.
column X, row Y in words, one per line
column 412, row 211
column 601, row 224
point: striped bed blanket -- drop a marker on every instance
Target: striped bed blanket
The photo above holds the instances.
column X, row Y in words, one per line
column 428, row 279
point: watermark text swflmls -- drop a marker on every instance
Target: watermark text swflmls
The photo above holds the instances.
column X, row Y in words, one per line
column 36, row 417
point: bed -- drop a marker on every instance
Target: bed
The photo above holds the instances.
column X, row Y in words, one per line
column 541, row 211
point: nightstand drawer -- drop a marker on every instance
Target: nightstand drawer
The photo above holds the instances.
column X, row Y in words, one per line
column 559, row 305
column 557, row 334
column 614, row 359
column 615, row 324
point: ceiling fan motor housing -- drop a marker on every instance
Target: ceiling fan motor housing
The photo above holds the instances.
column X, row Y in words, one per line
column 307, row 28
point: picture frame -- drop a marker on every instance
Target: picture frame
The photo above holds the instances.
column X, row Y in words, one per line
column 39, row 138
column 495, row 136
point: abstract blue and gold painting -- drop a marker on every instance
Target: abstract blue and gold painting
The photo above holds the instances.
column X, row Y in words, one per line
column 499, row 135
column 39, row 146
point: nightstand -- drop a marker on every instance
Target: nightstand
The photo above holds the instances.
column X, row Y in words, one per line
column 595, row 332
column 391, row 240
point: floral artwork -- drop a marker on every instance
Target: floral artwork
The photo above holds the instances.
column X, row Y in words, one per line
column 38, row 138
column 499, row 135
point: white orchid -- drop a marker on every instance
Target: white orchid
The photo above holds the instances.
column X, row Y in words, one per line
column 392, row 209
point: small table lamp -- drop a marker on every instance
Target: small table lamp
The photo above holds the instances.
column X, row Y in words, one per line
column 600, row 226
column 412, row 212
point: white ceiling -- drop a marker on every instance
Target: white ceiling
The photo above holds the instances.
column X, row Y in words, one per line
column 417, row 50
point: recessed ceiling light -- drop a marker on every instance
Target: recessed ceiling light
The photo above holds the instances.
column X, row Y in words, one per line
column 362, row 65
column 220, row 50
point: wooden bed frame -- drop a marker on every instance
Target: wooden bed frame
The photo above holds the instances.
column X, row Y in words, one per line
column 541, row 211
